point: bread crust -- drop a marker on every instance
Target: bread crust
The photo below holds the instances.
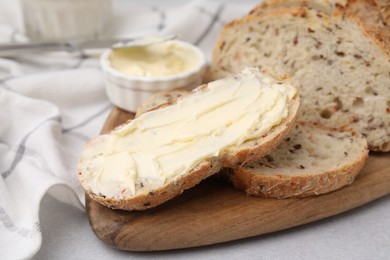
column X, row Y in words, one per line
column 373, row 19
column 281, row 186
column 156, row 197
column 325, row 6
column 384, row 8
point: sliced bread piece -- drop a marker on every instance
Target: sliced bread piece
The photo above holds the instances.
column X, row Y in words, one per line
column 312, row 160
column 156, row 156
column 340, row 61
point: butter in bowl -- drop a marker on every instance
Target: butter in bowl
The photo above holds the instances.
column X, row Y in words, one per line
column 134, row 73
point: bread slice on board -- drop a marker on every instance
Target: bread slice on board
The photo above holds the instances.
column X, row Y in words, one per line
column 312, row 160
column 155, row 157
column 337, row 54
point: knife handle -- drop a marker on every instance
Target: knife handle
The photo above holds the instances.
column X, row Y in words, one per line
column 7, row 50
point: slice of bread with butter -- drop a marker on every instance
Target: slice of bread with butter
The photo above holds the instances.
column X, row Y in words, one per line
column 162, row 152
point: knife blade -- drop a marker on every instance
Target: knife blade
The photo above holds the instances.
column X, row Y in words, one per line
column 16, row 49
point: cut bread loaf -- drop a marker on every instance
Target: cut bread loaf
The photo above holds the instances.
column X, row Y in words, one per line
column 337, row 54
column 168, row 149
column 312, row 160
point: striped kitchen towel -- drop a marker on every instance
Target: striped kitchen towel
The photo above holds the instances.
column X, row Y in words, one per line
column 52, row 103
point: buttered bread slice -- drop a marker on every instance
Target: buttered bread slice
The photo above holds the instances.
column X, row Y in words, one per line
column 156, row 156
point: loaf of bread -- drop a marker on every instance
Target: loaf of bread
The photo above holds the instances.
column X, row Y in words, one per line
column 164, row 151
column 336, row 52
column 312, row 160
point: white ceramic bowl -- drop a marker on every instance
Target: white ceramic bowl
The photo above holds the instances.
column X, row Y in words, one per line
column 127, row 92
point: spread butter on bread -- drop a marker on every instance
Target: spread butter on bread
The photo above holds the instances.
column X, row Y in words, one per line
column 164, row 151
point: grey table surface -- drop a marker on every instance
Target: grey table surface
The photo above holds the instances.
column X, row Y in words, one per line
column 362, row 233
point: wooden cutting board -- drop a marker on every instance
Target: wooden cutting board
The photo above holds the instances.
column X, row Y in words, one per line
column 215, row 212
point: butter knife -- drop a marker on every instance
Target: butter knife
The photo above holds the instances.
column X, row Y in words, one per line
column 16, row 49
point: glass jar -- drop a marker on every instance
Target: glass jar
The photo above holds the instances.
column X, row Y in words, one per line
column 65, row 19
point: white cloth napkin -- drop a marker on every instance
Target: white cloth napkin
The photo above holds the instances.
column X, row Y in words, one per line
column 52, row 103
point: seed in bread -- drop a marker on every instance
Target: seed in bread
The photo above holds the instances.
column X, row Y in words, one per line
column 312, row 160
column 156, row 156
column 339, row 56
